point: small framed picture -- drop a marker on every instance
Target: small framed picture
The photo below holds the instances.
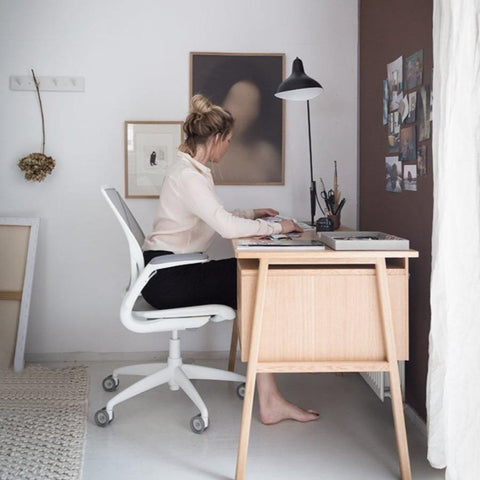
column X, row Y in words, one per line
column 150, row 148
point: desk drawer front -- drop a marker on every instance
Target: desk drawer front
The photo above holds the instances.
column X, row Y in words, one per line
column 320, row 314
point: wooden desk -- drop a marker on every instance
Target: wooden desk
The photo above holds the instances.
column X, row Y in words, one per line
column 339, row 311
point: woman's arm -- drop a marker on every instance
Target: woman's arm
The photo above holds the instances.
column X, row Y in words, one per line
column 200, row 198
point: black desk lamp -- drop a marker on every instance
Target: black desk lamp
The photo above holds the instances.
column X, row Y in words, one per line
column 299, row 86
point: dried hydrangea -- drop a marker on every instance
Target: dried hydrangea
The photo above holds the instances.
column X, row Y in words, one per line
column 36, row 166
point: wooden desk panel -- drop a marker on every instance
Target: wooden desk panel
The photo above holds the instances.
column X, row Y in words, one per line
column 320, row 327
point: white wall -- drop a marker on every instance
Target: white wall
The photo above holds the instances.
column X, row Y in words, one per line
column 134, row 56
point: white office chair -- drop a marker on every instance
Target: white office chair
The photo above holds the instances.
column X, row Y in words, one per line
column 137, row 315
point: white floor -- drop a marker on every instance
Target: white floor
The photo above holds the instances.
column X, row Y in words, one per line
column 150, row 437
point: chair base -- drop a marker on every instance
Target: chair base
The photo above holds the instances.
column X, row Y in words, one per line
column 175, row 373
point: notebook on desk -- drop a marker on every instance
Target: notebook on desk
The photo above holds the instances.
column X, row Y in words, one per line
column 279, row 243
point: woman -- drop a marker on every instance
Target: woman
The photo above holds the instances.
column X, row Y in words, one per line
column 188, row 216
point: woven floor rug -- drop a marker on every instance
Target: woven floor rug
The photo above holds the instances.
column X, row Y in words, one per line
column 43, row 415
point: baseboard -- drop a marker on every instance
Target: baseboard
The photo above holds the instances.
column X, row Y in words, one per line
column 121, row 356
column 416, row 419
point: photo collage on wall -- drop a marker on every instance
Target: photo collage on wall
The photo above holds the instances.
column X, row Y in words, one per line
column 407, row 113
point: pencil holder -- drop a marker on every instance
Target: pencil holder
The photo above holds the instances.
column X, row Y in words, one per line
column 335, row 220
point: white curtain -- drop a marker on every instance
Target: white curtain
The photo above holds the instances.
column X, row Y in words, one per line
column 453, row 385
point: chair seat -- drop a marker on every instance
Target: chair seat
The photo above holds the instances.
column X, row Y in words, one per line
column 218, row 313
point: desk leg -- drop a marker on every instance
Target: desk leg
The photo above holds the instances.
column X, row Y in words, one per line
column 233, row 346
column 251, row 370
column 395, row 390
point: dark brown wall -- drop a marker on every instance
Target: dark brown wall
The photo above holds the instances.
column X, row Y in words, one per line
column 389, row 29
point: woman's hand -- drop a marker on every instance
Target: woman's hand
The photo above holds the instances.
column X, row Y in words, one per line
column 264, row 212
column 289, row 226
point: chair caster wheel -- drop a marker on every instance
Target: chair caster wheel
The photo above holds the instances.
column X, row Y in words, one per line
column 241, row 391
column 109, row 384
column 102, row 419
column 197, row 424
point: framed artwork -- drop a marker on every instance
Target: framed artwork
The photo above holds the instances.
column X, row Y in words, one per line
column 245, row 84
column 150, row 148
column 18, row 247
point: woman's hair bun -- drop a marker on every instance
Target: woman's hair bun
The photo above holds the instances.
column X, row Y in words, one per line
column 200, row 104
column 204, row 120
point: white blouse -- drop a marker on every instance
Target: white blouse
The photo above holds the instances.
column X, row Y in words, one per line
column 189, row 212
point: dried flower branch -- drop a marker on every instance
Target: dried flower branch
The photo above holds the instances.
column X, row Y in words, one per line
column 37, row 165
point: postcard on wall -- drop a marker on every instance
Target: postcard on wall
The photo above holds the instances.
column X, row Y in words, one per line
column 410, row 178
column 404, row 108
column 395, row 83
column 393, row 132
column 412, row 103
column 408, row 144
column 423, row 113
column 422, row 160
column 414, row 70
column 393, row 175
column 385, row 102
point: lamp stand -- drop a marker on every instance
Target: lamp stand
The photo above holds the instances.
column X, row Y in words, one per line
column 313, row 186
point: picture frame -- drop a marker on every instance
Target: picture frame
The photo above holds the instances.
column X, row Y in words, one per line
column 18, row 247
column 245, row 84
column 150, row 148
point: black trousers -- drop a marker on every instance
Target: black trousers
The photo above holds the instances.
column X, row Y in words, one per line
column 189, row 285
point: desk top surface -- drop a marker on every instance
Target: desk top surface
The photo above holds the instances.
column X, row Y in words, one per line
column 293, row 254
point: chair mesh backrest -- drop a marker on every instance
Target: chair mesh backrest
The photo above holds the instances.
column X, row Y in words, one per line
column 126, row 214
column 131, row 228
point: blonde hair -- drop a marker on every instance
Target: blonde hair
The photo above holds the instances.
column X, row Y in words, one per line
column 204, row 120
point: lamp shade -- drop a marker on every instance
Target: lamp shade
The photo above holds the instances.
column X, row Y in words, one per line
column 298, row 86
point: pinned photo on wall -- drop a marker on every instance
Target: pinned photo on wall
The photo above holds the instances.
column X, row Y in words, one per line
column 422, row 160
column 395, row 83
column 393, row 132
column 410, row 178
column 423, row 113
column 385, row 102
column 414, row 70
column 412, row 104
column 408, row 144
column 404, row 108
column 393, row 175
column 431, row 104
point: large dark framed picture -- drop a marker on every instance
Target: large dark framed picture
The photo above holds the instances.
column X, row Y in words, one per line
column 245, row 85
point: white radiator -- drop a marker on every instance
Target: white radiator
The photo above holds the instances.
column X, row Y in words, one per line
column 379, row 381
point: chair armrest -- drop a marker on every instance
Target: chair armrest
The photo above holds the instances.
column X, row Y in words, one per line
column 158, row 263
column 175, row 260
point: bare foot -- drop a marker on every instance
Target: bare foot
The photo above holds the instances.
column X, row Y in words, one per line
column 278, row 409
